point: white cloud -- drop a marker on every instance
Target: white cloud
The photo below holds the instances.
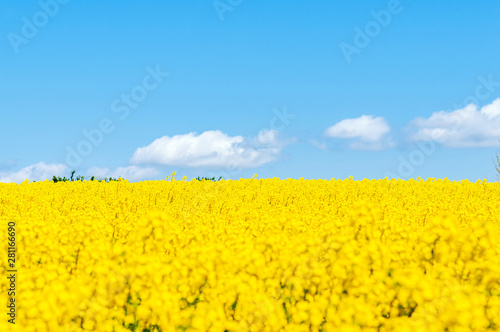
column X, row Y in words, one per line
column 366, row 132
column 42, row 171
column 36, row 172
column 267, row 137
column 211, row 149
column 131, row 173
column 466, row 127
column 319, row 145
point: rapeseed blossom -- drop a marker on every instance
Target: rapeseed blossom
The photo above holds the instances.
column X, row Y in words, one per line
column 255, row 255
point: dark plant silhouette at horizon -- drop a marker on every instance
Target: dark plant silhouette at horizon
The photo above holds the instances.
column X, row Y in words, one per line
column 72, row 178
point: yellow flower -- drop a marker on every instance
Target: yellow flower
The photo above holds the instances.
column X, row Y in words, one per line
column 266, row 255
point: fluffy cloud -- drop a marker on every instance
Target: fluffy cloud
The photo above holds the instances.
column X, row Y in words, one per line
column 42, row 171
column 366, row 132
column 131, row 173
column 466, row 127
column 212, row 149
column 36, row 172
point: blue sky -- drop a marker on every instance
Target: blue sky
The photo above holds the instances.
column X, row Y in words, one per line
column 318, row 89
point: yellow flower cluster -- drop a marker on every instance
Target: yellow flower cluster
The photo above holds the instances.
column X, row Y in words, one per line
column 255, row 255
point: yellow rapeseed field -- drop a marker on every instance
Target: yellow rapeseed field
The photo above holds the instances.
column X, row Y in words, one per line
column 254, row 255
